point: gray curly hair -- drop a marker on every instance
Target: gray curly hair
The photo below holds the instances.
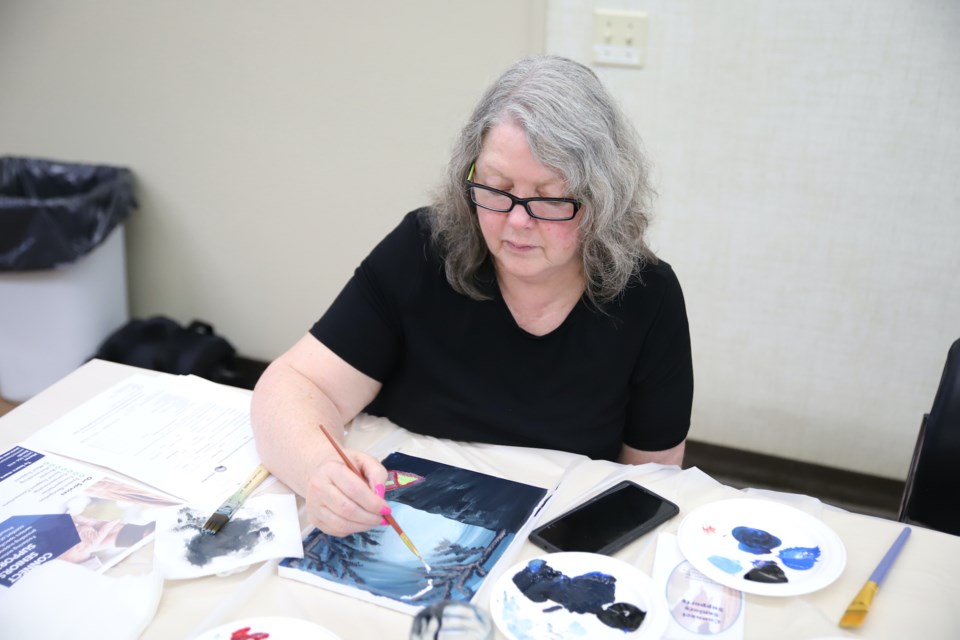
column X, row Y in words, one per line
column 574, row 127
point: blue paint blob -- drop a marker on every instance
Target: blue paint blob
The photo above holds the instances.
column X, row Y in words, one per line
column 582, row 594
column 726, row 564
column 587, row 593
column 799, row 558
column 755, row 541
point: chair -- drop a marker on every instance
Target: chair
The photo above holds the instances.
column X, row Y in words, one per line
column 931, row 496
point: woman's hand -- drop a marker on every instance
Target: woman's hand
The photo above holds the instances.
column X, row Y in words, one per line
column 339, row 502
column 306, row 387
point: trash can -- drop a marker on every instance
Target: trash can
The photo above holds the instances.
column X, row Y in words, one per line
column 63, row 284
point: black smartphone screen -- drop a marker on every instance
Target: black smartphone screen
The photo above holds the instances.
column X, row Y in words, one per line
column 606, row 522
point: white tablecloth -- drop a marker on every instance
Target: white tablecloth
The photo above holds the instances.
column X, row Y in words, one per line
column 917, row 599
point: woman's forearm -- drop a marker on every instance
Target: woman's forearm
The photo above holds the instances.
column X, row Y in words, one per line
column 285, row 410
column 307, row 386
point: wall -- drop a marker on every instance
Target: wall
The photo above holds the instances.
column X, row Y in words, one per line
column 274, row 143
column 805, row 152
column 806, row 155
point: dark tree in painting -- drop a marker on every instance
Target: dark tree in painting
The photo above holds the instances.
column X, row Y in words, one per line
column 452, row 576
column 339, row 556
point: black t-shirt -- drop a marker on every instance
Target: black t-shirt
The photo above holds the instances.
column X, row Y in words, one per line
column 454, row 367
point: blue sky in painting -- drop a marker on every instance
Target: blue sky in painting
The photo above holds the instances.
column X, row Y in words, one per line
column 394, row 571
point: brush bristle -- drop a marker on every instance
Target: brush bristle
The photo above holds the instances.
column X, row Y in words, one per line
column 214, row 523
column 853, row 619
column 857, row 611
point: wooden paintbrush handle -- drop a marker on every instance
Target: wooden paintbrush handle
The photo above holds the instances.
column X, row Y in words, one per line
column 389, row 518
column 343, row 454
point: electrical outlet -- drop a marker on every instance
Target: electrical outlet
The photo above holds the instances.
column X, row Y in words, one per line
column 619, row 38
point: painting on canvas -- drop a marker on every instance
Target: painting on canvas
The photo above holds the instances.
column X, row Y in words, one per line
column 461, row 521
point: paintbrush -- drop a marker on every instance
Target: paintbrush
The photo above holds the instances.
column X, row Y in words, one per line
column 222, row 515
column 854, row 615
column 389, row 518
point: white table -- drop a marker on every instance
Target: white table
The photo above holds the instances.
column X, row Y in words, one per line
column 918, row 599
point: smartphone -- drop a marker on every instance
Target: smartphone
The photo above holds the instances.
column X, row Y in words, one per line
column 607, row 522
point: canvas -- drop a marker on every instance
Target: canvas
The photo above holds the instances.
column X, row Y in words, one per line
column 461, row 521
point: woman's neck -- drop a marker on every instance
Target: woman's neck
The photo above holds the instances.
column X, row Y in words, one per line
column 541, row 307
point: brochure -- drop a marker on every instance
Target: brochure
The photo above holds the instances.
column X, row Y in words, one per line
column 56, row 509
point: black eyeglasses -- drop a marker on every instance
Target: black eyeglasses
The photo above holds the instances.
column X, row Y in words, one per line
column 553, row 209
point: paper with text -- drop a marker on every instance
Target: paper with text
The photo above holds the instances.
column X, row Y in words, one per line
column 182, row 435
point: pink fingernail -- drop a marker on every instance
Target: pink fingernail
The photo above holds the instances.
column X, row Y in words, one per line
column 385, row 511
column 383, row 521
column 380, row 490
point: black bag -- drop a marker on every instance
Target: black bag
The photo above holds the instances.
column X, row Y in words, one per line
column 161, row 344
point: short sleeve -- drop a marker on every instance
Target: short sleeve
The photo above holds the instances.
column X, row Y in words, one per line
column 661, row 394
column 364, row 324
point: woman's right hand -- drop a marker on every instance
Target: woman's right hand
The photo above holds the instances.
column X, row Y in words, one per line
column 306, row 387
column 339, row 502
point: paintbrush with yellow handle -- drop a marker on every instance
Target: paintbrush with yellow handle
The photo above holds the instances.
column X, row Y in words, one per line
column 222, row 515
column 389, row 518
column 857, row 611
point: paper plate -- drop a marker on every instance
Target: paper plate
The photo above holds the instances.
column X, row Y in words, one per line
column 278, row 628
column 567, row 595
column 761, row 547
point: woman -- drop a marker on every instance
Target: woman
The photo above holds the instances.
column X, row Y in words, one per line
column 523, row 307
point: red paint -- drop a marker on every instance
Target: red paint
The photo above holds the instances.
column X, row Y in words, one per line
column 399, row 479
column 244, row 634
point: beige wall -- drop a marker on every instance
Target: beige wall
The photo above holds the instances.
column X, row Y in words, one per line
column 274, row 143
column 806, row 154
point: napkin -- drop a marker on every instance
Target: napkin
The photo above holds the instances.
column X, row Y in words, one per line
column 265, row 527
column 64, row 600
column 699, row 607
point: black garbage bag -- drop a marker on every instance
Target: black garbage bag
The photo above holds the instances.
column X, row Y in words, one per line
column 52, row 213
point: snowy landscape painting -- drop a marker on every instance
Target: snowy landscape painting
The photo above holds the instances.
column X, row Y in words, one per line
column 461, row 521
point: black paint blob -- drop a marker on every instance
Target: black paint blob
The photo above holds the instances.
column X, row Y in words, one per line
column 766, row 571
column 587, row 593
column 621, row 615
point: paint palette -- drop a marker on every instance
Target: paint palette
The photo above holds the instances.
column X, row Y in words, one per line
column 761, row 547
column 578, row 595
column 274, row 627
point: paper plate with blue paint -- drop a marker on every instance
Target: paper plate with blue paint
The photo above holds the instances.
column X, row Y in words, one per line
column 578, row 595
column 761, row 547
